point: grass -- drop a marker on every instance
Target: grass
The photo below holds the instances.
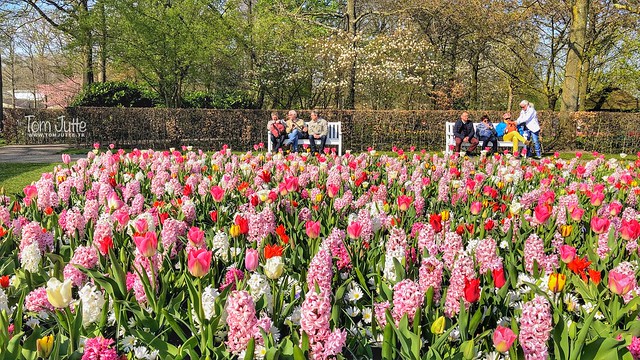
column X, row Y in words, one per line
column 15, row 176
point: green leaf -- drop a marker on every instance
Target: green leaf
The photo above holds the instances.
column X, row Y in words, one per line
column 602, row 348
column 388, row 342
column 248, row 355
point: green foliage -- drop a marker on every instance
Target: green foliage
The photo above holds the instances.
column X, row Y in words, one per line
column 116, row 94
column 205, row 100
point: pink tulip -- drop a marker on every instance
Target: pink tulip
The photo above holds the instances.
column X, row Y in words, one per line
column 313, row 229
column 615, row 208
column 122, row 217
column 282, row 189
column 476, row 208
column 542, row 213
column 113, row 201
column 596, row 198
column 620, row 283
column 599, row 225
column 332, row 190
column 217, row 192
column 503, row 338
column 199, row 262
column 577, row 213
column 66, row 158
column 291, row 183
column 404, row 202
column 196, row 236
column 354, row 230
column 147, row 244
column 567, row 253
column 251, row 259
column 630, row 230
column 141, row 226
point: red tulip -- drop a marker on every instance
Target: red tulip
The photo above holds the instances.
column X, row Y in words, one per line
column 272, row 251
column 312, row 228
column 498, row 278
column 542, row 213
column 104, row 245
column 630, row 230
column 291, row 184
column 354, row 230
column 436, row 222
column 282, row 234
column 599, row 225
column 503, row 338
column 619, row 283
column 404, row 202
column 471, row 290
column 242, row 223
column 595, row 276
column 199, row 262
column 217, row 192
column 4, row 281
column 213, row 214
column 146, row 244
column 489, row 224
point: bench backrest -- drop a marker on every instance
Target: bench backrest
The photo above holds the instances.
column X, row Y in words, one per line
column 450, row 138
column 334, row 130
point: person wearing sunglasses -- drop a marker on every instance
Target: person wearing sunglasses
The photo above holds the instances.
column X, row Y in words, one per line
column 487, row 133
column 511, row 132
column 529, row 117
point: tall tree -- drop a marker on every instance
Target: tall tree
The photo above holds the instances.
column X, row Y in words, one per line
column 74, row 18
column 575, row 55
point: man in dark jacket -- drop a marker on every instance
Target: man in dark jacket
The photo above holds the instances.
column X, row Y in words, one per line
column 463, row 131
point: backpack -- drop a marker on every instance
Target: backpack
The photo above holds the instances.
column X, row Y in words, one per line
column 278, row 129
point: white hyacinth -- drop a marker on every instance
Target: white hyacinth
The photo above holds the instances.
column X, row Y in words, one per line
column 30, row 257
column 92, row 304
column 259, row 286
column 220, row 246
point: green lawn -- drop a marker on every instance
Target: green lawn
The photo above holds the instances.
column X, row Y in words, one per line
column 14, row 177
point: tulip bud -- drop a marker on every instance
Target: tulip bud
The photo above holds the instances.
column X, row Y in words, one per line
column 234, row 230
column 274, row 267
column 251, row 259
column 556, row 282
column 44, row 346
column 565, row 230
column 438, row 326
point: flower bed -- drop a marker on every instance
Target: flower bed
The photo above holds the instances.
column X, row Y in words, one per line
column 180, row 254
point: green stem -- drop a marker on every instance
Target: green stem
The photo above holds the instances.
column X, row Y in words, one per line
column 72, row 342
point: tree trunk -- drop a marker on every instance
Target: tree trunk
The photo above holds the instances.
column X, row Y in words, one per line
column 87, row 78
column 351, row 29
column 475, row 68
column 584, row 83
column 103, row 45
column 510, row 95
column 573, row 67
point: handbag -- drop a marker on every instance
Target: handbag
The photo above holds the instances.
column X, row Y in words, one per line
column 278, row 129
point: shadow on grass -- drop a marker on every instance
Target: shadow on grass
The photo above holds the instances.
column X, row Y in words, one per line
column 15, row 176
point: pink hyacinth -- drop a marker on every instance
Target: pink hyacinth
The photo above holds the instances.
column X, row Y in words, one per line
column 241, row 320
column 33, row 232
column 320, row 272
column 486, row 255
column 379, row 310
column 462, row 269
column 407, row 298
column 98, row 348
column 535, row 328
column 431, row 276
column 37, row 300
column 451, row 246
column 84, row 256
column 427, row 239
column 314, row 321
column 232, row 276
column 171, row 230
column 634, row 348
column 335, row 243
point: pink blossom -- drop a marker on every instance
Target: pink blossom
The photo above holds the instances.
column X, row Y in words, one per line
column 37, row 300
column 407, row 298
column 535, row 328
column 98, row 348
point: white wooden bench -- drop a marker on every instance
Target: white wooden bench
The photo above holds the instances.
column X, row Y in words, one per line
column 451, row 141
column 334, row 137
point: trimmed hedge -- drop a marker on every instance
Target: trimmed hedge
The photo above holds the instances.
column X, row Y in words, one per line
column 241, row 129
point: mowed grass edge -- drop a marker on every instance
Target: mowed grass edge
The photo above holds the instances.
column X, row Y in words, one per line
column 15, row 176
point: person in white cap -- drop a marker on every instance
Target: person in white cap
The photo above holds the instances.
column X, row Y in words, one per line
column 529, row 117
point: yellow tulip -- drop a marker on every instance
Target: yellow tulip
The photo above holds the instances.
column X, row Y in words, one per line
column 234, row 230
column 438, row 326
column 556, row 282
column 44, row 346
column 318, row 198
column 59, row 293
column 445, row 215
column 565, row 230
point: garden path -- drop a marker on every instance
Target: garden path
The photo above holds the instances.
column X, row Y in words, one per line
column 34, row 153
